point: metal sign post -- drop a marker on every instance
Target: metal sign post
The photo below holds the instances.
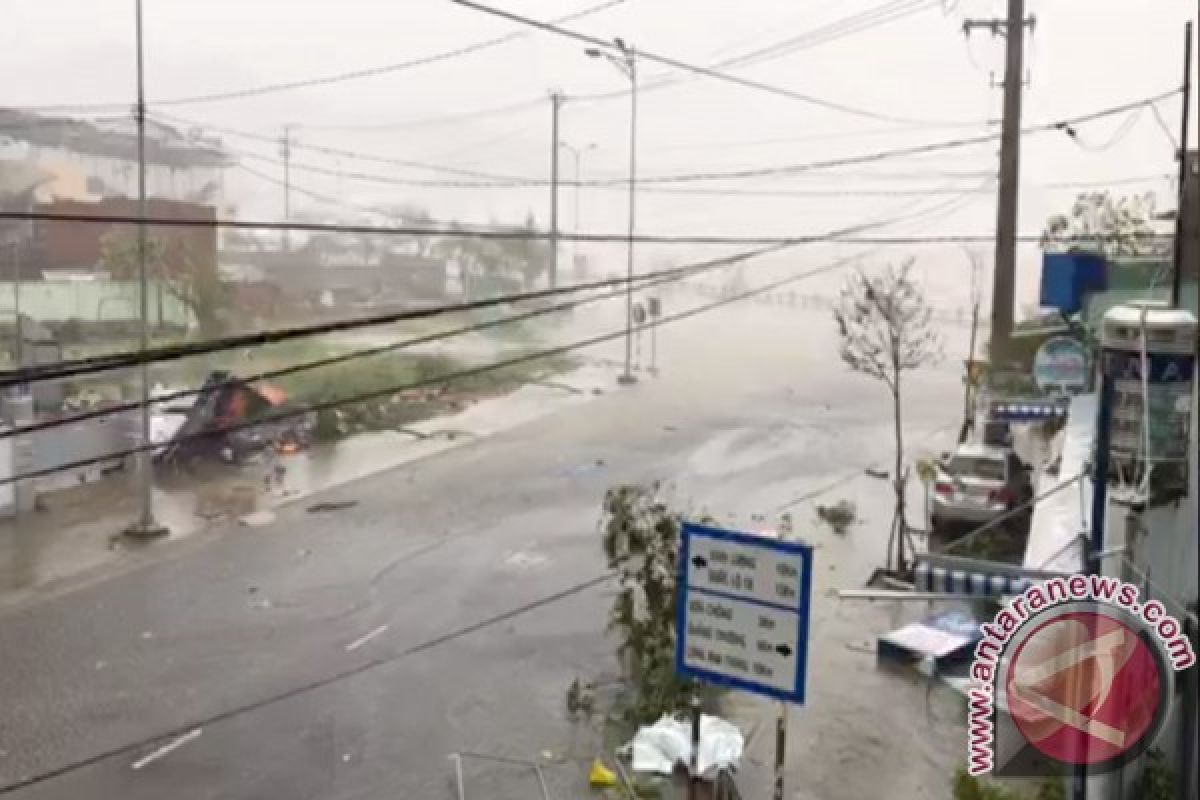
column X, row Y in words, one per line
column 742, row 620
column 780, row 750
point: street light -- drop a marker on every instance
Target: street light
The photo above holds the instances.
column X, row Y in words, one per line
column 577, row 153
column 145, row 525
column 627, row 64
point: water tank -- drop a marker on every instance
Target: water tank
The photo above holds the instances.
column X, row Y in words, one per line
column 1150, row 353
column 1067, row 279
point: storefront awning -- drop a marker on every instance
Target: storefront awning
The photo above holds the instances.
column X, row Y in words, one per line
column 957, row 575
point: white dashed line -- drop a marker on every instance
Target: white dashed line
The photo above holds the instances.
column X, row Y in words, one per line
column 167, row 748
column 357, row 643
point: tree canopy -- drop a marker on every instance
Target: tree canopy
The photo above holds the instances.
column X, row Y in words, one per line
column 1116, row 227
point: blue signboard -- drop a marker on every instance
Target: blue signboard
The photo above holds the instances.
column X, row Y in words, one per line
column 743, row 610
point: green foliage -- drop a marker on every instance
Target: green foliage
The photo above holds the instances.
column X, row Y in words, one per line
column 969, row 787
column 493, row 267
column 1116, row 227
column 839, row 516
column 641, row 543
column 1157, row 781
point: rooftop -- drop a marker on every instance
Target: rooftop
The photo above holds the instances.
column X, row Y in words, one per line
column 115, row 138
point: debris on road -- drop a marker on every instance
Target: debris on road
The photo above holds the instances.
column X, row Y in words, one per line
column 257, row 519
column 659, row 747
column 839, row 516
column 339, row 505
column 600, row 776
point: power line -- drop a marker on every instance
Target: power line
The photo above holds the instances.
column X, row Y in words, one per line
column 429, row 122
column 433, row 380
column 76, row 367
column 330, row 680
column 642, row 282
column 340, row 77
column 671, row 62
column 827, row 33
column 334, row 151
column 511, row 233
column 119, row 361
column 751, row 172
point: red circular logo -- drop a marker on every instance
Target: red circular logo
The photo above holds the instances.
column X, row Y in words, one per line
column 1085, row 688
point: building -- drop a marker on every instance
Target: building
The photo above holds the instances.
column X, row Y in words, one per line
column 92, row 160
column 1191, row 219
column 76, row 247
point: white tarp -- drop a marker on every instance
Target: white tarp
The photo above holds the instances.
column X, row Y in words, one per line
column 1059, row 520
column 659, row 747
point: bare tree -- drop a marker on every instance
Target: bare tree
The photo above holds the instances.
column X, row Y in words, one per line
column 884, row 322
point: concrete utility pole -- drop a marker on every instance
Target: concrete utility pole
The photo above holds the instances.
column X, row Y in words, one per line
column 146, row 525
column 627, row 64
column 285, row 152
column 1181, row 207
column 577, row 153
column 1004, row 275
column 556, row 101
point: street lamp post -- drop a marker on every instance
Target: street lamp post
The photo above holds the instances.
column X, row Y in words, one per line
column 577, row 155
column 145, row 525
column 627, row 64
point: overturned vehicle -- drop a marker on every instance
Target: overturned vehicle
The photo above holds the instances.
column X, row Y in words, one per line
column 228, row 420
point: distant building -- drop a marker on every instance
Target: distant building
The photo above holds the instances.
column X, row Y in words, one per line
column 59, row 245
column 91, row 160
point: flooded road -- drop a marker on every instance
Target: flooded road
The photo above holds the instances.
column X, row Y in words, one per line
column 446, row 604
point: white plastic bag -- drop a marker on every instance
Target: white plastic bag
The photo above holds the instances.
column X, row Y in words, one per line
column 659, row 747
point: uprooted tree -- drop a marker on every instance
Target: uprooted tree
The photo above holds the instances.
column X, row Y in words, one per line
column 181, row 272
column 885, row 325
column 641, row 544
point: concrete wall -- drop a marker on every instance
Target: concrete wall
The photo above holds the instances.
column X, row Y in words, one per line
column 94, row 301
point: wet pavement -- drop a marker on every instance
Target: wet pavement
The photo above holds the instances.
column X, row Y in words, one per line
column 447, row 603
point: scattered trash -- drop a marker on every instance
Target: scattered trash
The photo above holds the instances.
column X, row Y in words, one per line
column 257, row 519
column 880, row 474
column 339, row 505
column 147, row 635
column 670, row 428
column 659, row 747
column 840, row 516
column 547, row 755
column 101, row 664
column 305, row 553
column 600, row 776
column 345, row 758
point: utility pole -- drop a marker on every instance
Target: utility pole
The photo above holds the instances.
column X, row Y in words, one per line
column 285, row 152
column 1181, row 207
column 18, row 329
column 968, row 391
column 556, row 101
column 627, row 64
column 1004, row 274
column 577, row 153
column 146, row 525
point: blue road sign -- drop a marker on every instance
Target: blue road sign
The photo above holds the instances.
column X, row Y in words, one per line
column 742, row 618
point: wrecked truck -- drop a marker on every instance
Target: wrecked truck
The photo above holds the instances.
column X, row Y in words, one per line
column 229, row 420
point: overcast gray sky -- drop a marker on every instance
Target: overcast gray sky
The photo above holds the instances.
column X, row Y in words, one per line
column 1082, row 57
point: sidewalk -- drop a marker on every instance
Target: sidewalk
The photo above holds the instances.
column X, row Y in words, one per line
column 77, row 532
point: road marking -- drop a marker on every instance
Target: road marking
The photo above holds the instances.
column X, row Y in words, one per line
column 167, row 748
column 357, row 643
